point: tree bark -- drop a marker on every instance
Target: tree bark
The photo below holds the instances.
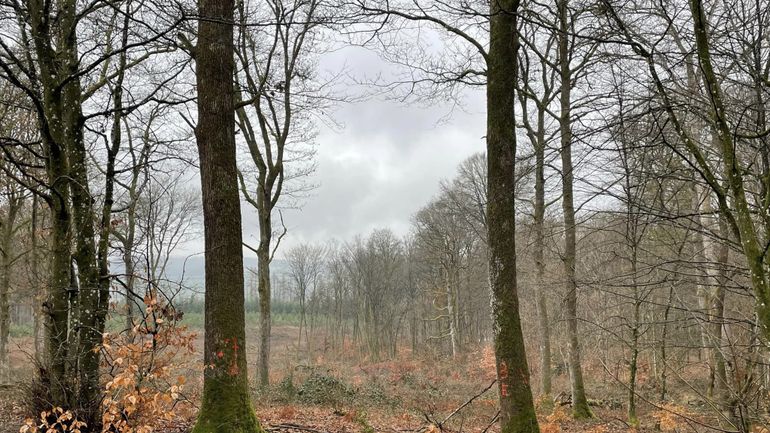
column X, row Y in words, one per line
column 743, row 223
column 539, row 256
column 517, row 412
column 633, row 420
column 719, row 379
column 38, row 334
column 6, row 261
column 579, row 402
column 74, row 314
column 225, row 406
column 265, row 293
column 93, row 290
column 451, row 311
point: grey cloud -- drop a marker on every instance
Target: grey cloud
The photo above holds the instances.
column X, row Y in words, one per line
column 383, row 164
column 373, row 175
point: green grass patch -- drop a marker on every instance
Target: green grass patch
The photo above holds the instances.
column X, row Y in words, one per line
column 21, row 330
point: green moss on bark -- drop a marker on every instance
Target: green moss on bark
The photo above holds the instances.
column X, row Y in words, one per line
column 517, row 410
column 582, row 412
column 226, row 408
column 524, row 422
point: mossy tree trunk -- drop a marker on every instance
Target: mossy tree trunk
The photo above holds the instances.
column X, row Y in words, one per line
column 105, row 228
column 738, row 211
column 225, row 406
column 517, row 411
column 265, row 294
column 92, row 290
column 76, row 312
column 56, row 306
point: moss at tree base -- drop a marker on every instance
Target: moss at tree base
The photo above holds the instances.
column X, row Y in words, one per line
column 226, row 409
column 524, row 422
column 582, row 412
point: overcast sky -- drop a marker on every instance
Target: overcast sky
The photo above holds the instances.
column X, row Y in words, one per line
column 384, row 162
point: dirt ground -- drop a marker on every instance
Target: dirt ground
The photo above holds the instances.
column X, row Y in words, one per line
column 318, row 390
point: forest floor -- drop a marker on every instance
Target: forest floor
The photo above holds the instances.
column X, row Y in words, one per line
column 322, row 391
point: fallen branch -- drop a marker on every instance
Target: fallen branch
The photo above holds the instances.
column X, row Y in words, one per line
column 456, row 411
column 292, row 426
column 491, row 423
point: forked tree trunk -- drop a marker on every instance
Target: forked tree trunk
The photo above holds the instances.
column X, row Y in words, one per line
column 74, row 314
column 537, row 137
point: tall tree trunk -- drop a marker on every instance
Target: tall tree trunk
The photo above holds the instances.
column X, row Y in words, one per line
column 128, row 265
column 103, row 247
column 633, row 420
column 264, row 288
column 742, row 216
column 128, row 239
column 76, row 317
column 6, row 261
column 92, row 257
column 93, row 290
column 56, row 307
column 707, row 280
column 517, row 411
column 301, row 321
column 60, row 290
column 225, row 406
column 539, row 256
column 633, row 188
column 709, row 289
column 663, row 344
column 38, row 334
column 451, row 322
column 721, row 388
column 5, row 322
column 579, row 402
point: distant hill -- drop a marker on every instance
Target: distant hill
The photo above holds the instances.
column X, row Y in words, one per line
column 190, row 271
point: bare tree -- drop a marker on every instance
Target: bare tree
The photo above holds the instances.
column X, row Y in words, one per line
column 440, row 231
column 277, row 95
column 306, row 268
column 539, row 88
